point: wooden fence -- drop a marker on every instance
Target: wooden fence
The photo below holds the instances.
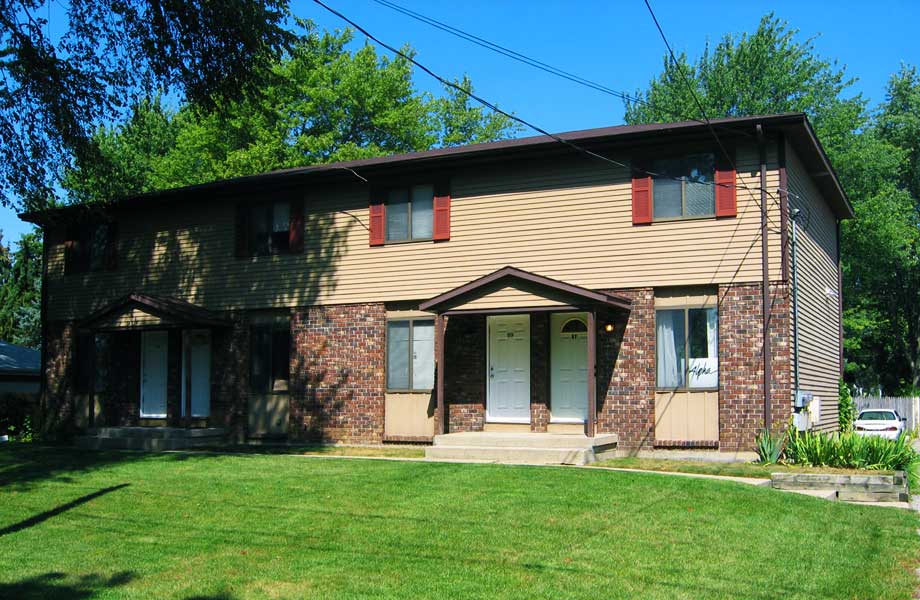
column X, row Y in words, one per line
column 906, row 406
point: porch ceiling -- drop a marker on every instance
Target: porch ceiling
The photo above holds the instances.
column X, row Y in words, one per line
column 520, row 287
column 138, row 311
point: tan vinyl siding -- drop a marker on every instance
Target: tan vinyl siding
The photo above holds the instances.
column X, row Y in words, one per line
column 687, row 415
column 133, row 318
column 565, row 219
column 819, row 315
column 509, row 297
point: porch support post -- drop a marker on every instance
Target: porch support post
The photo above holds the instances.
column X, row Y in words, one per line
column 439, row 371
column 592, row 374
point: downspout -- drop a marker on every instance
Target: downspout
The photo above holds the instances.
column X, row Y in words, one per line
column 795, row 306
column 765, row 263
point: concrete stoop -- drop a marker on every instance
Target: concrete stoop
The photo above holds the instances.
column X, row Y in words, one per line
column 847, row 488
column 150, row 438
column 521, row 448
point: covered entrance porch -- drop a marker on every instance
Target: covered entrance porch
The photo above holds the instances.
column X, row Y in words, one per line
column 517, row 353
column 147, row 367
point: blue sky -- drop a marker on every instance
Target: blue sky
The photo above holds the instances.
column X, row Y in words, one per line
column 613, row 42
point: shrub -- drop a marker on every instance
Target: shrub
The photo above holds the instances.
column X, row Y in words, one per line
column 846, row 408
column 769, row 446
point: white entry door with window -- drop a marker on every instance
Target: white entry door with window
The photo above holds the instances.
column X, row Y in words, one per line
column 568, row 368
column 196, row 373
column 154, row 346
column 508, row 389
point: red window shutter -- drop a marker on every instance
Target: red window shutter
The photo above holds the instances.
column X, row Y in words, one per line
column 378, row 223
column 726, row 201
column 242, row 231
column 641, row 199
column 441, row 227
column 111, row 246
column 295, row 228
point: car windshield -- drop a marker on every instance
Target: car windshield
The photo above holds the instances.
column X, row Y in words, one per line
column 877, row 415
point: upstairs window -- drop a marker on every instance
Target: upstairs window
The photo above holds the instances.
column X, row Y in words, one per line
column 90, row 248
column 687, row 348
column 684, row 187
column 410, row 355
column 410, row 213
column 270, row 356
column 269, row 228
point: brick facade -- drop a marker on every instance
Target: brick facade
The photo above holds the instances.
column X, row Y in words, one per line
column 626, row 372
column 337, row 373
column 465, row 373
column 741, row 407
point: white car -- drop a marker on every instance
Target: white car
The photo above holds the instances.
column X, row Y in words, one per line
column 880, row 421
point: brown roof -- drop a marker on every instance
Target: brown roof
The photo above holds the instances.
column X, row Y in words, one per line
column 794, row 125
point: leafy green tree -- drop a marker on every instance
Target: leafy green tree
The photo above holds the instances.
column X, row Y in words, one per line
column 101, row 56
column 765, row 72
column 20, row 291
column 876, row 157
column 882, row 260
column 323, row 103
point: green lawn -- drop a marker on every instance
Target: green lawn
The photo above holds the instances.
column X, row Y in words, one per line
column 131, row 525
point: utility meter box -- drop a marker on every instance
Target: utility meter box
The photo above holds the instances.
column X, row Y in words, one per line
column 803, row 399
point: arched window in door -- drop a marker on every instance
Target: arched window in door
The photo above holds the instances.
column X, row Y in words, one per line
column 573, row 328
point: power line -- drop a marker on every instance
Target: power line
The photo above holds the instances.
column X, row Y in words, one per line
column 683, row 75
column 527, row 60
column 515, row 118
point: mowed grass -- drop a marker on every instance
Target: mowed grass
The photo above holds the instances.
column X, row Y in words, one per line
column 731, row 469
column 131, row 525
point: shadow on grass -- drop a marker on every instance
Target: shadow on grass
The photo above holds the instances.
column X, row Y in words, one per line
column 23, row 465
column 44, row 516
column 57, row 586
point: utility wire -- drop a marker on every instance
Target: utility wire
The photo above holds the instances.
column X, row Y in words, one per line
column 511, row 116
column 527, row 60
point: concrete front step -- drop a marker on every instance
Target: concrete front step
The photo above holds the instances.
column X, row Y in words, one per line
column 511, row 454
column 492, row 439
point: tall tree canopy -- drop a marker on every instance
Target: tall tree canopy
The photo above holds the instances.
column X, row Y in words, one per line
column 322, row 103
column 20, row 291
column 876, row 156
column 60, row 80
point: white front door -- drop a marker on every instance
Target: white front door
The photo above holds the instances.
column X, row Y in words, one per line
column 196, row 373
column 569, row 367
column 508, row 389
column 154, row 346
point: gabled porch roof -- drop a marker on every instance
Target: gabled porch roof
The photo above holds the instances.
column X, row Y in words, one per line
column 138, row 311
column 521, row 291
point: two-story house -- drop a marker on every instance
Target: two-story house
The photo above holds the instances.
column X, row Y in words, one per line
column 521, row 285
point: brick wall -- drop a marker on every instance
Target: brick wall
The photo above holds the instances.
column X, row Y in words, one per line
column 230, row 377
column 337, row 373
column 465, row 373
column 741, row 363
column 626, row 371
column 539, row 371
column 57, row 402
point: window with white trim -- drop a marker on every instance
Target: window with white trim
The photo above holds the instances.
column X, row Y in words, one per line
column 684, row 187
column 410, row 213
column 687, row 348
column 410, row 354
